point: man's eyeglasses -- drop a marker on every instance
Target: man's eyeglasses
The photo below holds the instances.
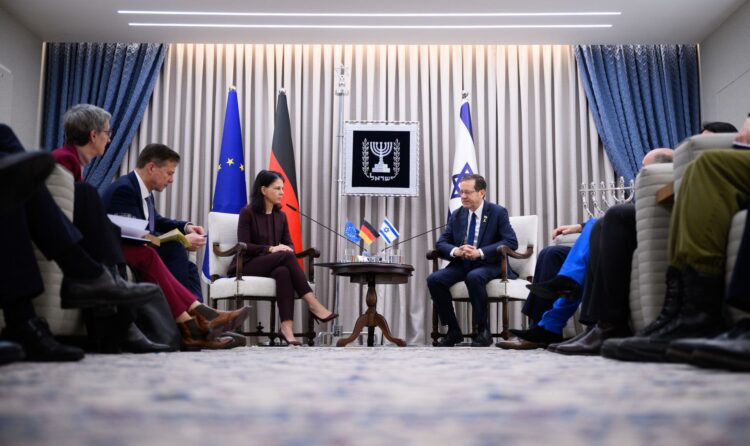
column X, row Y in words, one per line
column 110, row 133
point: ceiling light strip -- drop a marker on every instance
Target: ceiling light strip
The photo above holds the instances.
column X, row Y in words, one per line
column 241, row 25
column 376, row 14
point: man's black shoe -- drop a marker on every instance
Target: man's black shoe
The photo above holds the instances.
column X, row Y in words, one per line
column 105, row 290
column 483, row 339
column 699, row 317
column 136, row 342
column 453, row 337
column 558, row 286
column 591, row 342
column 10, row 352
column 723, row 351
column 38, row 344
column 21, row 174
column 538, row 335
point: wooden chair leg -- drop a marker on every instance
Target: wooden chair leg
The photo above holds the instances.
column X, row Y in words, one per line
column 310, row 331
column 272, row 333
column 435, row 335
column 506, row 319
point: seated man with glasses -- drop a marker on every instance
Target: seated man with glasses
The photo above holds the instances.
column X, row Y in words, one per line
column 470, row 241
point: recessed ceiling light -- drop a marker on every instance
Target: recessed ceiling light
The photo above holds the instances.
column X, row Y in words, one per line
column 301, row 26
column 375, row 14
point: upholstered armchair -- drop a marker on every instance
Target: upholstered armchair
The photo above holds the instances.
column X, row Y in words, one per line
column 501, row 290
column 222, row 231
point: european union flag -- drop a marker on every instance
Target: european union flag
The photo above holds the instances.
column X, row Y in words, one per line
column 230, row 194
column 351, row 232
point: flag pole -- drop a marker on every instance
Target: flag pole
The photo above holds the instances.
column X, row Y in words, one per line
column 340, row 91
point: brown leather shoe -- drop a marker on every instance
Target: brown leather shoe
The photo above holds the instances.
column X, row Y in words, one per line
column 193, row 338
column 220, row 321
column 520, row 344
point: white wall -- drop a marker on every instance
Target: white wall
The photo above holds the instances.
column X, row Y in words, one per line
column 725, row 70
column 20, row 62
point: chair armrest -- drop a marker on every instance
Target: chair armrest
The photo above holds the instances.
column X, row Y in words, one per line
column 311, row 254
column 433, row 255
column 507, row 252
column 238, row 249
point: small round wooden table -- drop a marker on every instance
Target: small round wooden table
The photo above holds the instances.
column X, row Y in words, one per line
column 371, row 273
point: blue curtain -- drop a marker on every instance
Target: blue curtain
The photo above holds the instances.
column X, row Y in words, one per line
column 118, row 77
column 641, row 97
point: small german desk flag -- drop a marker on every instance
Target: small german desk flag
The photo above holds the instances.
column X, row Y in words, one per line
column 368, row 232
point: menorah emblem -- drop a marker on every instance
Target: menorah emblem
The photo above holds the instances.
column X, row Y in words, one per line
column 381, row 149
column 602, row 197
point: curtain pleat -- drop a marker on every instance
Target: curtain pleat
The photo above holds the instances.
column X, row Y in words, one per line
column 642, row 97
column 534, row 136
column 118, row 77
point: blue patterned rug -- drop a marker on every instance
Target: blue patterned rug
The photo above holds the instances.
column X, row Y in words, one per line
column 377, row 396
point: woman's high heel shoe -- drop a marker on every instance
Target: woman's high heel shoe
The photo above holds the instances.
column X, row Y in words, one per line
column 292, row 343
column 330, row 317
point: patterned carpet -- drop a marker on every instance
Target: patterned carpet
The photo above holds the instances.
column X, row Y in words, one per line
column 377, row 396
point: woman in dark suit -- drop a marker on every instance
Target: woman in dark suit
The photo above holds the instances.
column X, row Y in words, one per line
column 270, row 253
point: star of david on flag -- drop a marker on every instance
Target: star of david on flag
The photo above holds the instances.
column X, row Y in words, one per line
column 388, row 231
column 465, row 158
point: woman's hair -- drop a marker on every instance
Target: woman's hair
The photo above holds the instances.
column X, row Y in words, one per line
column 264, row 179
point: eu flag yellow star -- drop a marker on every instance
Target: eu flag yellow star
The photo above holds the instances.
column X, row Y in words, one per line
column 230, row 161
column 242, row 168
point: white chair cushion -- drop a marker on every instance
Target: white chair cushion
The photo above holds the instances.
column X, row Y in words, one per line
column 735, row 239
column 652, row 229
column 689, row 149
column 495, row 288
column 222, row 228
column 526, row 228
column 62, row 322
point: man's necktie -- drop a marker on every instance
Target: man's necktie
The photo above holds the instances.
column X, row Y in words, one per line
column 472, row 229
column 470, row 236
column 151, row 213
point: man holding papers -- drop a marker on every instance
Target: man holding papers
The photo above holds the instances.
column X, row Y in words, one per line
column 133, row 194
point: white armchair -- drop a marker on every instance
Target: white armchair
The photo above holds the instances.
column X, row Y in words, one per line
column 222, row 232
column 501, row 290
column 62, row 322
column 648, row 284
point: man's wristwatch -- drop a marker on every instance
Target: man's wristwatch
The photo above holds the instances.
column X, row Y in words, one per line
column 270, row 249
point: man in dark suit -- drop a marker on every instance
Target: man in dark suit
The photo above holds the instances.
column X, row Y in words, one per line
column 133, row 194
column 470, row 242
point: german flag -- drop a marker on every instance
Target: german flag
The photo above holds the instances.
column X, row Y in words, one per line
column 282, row 161
column 368, row 232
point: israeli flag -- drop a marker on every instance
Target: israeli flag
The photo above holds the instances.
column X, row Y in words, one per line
column 388, row 231
column 465, row 158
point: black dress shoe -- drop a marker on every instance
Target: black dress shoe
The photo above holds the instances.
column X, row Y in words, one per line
column 553, row 347
column 483, row 339
column 558, row 286
column 729, row 350
column 453, row 337
column 38, row 344
column 538, row 335
column 21, row 174
column 105, row 290
column 591, row 342
column 10, row 352
column 136, row 342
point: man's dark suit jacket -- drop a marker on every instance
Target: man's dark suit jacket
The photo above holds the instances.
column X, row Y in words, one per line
column 123, row 196
column 494, row 230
